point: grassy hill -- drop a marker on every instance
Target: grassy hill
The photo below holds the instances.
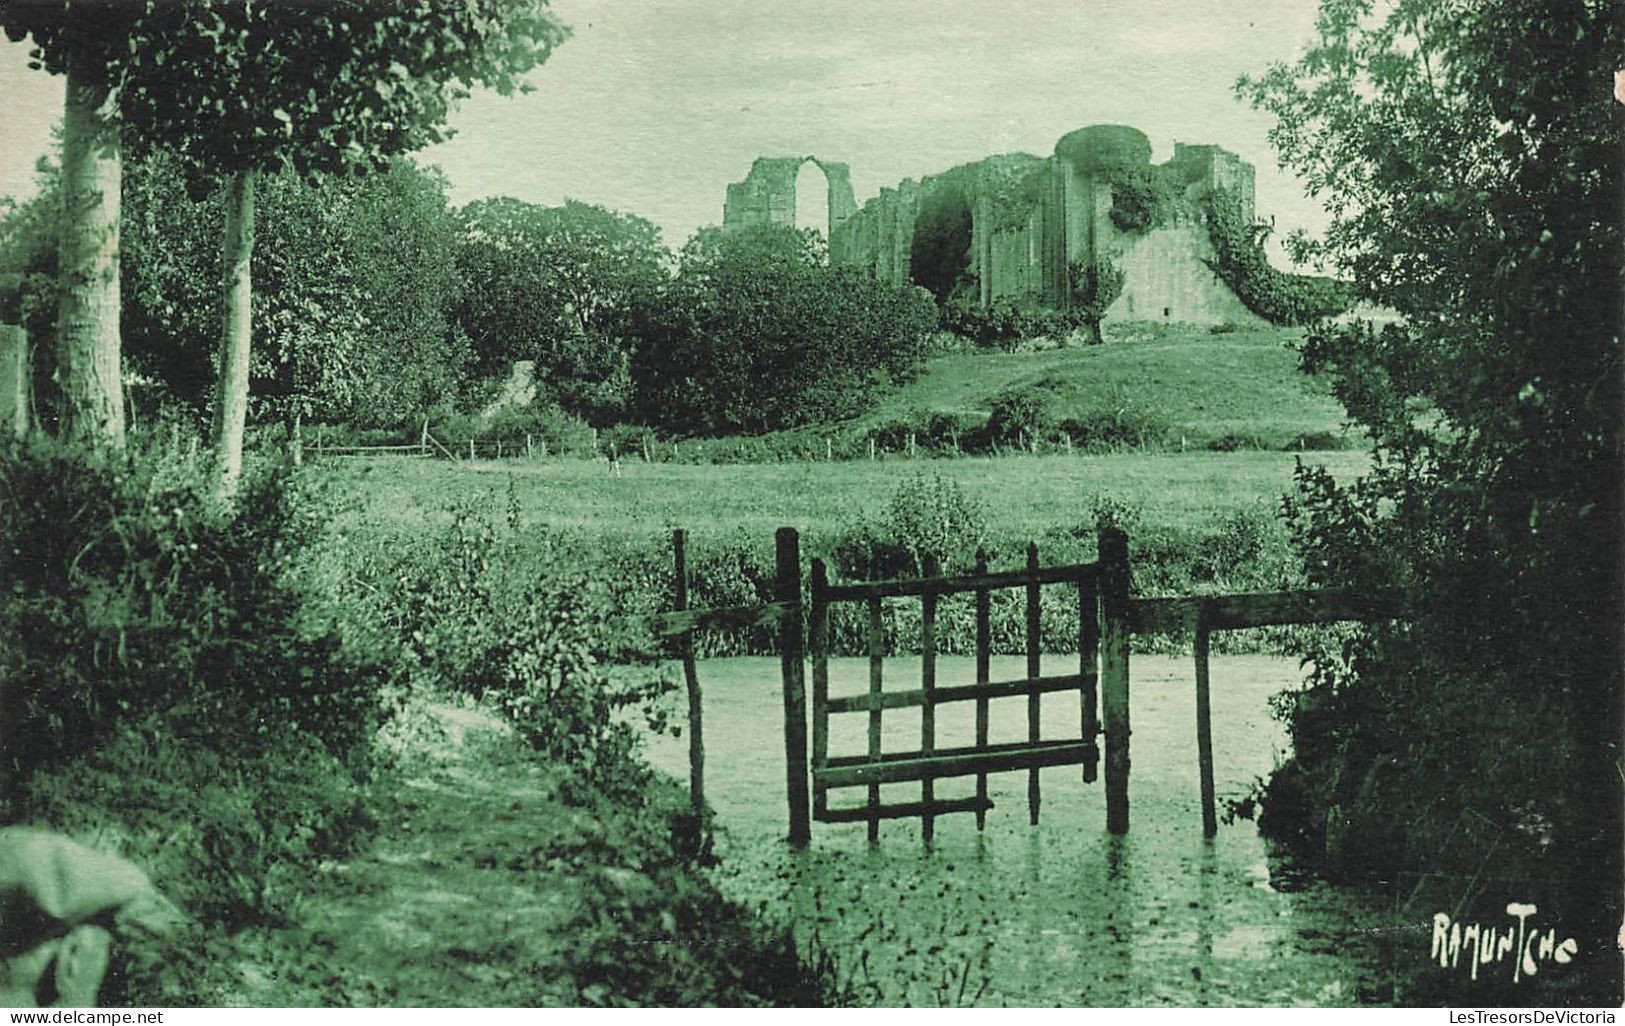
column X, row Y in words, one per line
column 1239, row 389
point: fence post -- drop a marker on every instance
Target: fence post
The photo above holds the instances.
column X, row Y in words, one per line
column 787, row 552
column 1114, row 639
column 691, row 677
column 423, row 439
column 1204, row 724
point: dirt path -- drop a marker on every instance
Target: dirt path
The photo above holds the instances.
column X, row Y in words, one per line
column 451, row 904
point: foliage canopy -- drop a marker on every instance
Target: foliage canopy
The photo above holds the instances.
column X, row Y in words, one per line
column 1469, row 158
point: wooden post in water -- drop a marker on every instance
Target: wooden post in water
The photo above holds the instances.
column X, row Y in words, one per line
column 984, row 644
column 1114, row 637
column 1034, row 663
column 877, row 657
column 818, row 641
column 787, row 551
column 1089, row 670
column 691, row 677
column 928, row 688
column 1204, row 724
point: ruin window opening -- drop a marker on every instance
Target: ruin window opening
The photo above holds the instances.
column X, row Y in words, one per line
column 940, row 254
column 812, row 199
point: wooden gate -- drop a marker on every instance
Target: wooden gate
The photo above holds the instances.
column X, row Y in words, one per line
column 929, row 763
column 1107, row 617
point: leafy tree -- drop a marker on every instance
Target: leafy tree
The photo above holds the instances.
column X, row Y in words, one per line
column 355, row 277
column 88, row 41
column 1095, row 287
column 756, row 333
column 240, row 87
column 1469, row 158
column 559, row 286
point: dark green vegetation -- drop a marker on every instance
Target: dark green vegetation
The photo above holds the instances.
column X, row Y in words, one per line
column 755, row 333
column 1276, row 296
column 1479, row 742
column 1197, row 523
column 201, row 682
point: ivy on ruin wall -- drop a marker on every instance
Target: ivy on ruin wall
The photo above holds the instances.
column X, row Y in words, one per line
column 1277, row 296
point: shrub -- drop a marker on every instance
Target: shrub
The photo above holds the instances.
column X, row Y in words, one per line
column 928, row 518
column 1023, row 415
column 1118, row 424
column 131, row 589
column 1006, row 323
column 541, row 423
column 757, row 334
column 166, row 687
column 530, row 628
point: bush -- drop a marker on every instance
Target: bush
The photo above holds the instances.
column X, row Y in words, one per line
column 1119, row 424
column 1006, row 323
column 1023, row 416
column 167, row 689
column 757, row 334
column 541, row 423
column 530, row 630
column 927, row 519
column 131, row 589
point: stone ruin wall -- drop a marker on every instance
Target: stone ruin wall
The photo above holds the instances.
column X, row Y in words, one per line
column 1020, row 246
column 767, row 195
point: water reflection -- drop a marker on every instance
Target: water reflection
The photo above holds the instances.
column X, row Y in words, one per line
column 1062, row 913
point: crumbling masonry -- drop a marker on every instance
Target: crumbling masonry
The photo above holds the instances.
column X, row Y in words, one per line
column 1010, row 225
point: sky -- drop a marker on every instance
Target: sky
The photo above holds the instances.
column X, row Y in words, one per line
column 654, row 106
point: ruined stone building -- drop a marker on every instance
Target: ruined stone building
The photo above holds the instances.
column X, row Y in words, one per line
column 1011, row 225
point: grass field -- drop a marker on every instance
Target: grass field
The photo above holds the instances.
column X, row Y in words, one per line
column 1021, row 494
column 1205, row 386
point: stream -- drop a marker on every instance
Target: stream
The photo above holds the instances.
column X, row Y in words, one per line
column 1061, row 913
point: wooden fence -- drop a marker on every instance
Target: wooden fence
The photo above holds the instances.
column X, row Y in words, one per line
column 428, row 446
column 929, row 763
column 1108, row 616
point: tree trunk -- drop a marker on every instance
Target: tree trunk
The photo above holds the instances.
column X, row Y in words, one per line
column 1095, row 337
column 231, row 388
column 87, row 325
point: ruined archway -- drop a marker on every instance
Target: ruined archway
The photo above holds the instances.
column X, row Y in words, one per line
column 779, row 189
column 812, row 198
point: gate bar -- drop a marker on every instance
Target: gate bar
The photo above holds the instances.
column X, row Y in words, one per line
column 1033, row 671
column 877, row 656
column 818, row 637
column 928, row 687
column 1088, row 655
column 983, row 647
